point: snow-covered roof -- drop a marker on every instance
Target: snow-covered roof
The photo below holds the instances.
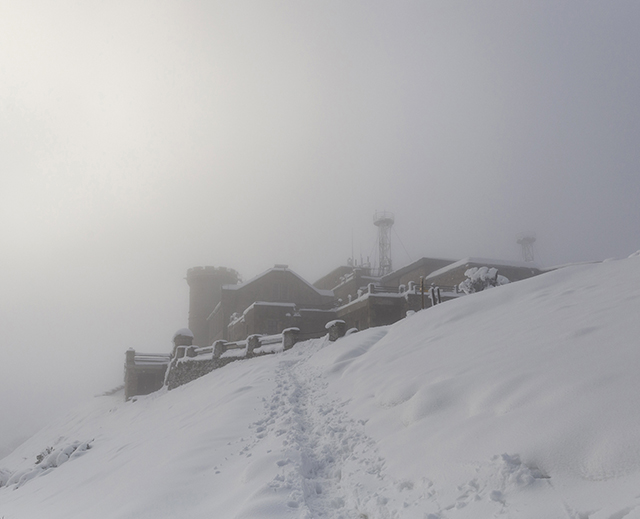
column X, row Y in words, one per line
column 408, row 268
column 279, row 268
column 483, row 262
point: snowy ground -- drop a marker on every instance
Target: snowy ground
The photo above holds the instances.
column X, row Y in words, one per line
column 520, row 402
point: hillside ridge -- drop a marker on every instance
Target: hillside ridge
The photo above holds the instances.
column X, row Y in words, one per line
column 520, row 400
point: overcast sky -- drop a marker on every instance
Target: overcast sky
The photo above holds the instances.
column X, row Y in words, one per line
column 141, row 138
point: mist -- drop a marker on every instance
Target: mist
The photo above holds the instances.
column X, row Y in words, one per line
column 138, row 139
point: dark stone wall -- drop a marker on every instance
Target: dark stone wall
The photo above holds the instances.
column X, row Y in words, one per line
column 356, row 315
column 378, row 310
column 386, row 310
column 184, row 372
column 313, row 321
column 360, row 279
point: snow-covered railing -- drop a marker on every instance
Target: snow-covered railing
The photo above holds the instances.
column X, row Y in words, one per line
column 311, row 335
column 191, row 362
column 233, row 345
column 150, row 359
column 270, row 339
column 247, row 346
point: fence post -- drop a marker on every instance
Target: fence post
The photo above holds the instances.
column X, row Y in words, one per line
column 130, row 357
column 130, row 375
column 253, row 342
column 290, row 337
column 337, row 329
column 219, row 347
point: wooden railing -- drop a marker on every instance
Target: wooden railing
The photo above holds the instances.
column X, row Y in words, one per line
column 252, row 345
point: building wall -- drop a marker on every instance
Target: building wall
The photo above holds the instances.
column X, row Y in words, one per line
column 205, row 284
column 264, row 319
column 374, row 310
column 358, row 280
column 221, row 316
column 355, row 315
column 217, row 325
column 278, row 286
column 386, row 310
column 313, row 321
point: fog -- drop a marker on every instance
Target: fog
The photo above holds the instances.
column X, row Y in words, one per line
column 138, row 139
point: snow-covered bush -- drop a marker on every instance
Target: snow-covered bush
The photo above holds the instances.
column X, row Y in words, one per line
column 479, row 278
column 4, row 477
column 42, row 456
column 49, row 459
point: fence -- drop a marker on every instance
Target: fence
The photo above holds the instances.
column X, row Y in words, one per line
column 191, row 362
column 148, row 372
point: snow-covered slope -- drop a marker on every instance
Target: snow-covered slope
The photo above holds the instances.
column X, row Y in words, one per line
column 522, row 401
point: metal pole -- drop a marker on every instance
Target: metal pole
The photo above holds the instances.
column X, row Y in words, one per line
column 422, row 290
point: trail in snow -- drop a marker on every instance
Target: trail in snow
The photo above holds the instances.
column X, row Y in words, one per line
column 330, row 467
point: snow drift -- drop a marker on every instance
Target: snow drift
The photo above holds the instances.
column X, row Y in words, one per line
column 522, row 400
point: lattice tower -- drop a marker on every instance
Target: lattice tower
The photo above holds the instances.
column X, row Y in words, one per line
column 384, row 220
column 526, row 241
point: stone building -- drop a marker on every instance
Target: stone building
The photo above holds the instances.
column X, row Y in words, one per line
column 205, row 292
column 366, row 301
column 272, row 301
column 220, row 308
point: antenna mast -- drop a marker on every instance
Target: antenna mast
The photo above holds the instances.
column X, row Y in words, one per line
column 526, row 241
column 384, row 220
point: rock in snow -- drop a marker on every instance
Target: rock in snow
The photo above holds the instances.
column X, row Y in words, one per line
column 519, row 402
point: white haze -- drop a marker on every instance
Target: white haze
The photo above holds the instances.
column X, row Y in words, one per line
column 138, row 139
